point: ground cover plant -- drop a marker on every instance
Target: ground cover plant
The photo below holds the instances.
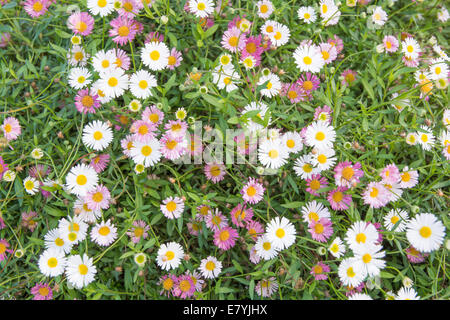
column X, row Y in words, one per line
column 208, row 149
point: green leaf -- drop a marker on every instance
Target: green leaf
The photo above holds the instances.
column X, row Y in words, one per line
column 295, row 204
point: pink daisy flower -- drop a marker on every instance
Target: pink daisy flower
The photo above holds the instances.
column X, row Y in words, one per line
column 130, row 8
column 11, row 128
column 100, row 162
column 390, row 174
column 323, row 114
column 254, row 229
column 154, row 37
column 36, row 8
column 194, row 145
column 350, row 290
column 203, row 211
column 320, row 271
column 408, row 178
column 87, row 101
column 126, row 144
column 253, row 256
column 184, row 287
column 172, row 147
column 410, row 62
column 253, row 191
column 4, row 245
column 375, row 195
column 153, row 114
column 414, row 256
column 308, row 83
column 233, row 40
column 122, row 59
column 42, row 291
column 81, row 23
column 39, row 171
column 216, row 221
column 336, row 42
column 138, row 231
column 321, row 230
column 98, row 198
column 338, row 199
column 28, row 220
column 196, row 278
column 293, row 92
column 194, row 227
column 143, row 130
column 315, row 183
column 225, row 238
column 253, row 46
column 348, row 77
column 175, row 59
column 347, row 174
column 176, row 127
column 329, row 52
column 122, row 120
column 3, row 167
column 168, row 284
column 214, row 172
column 241, row 216
column 123, row 30
column 390, row 44
column 236, row 22
column 246, row 143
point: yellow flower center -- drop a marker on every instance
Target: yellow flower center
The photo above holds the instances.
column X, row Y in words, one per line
column 98, row 135
column 44, row 291
column 361, row 238
column 273, row 154
column 59, row 242
column 104, row 231
column 123, row 31
column 350, row 272
column 307, row 168
column 264, row 8
column 201, row 6
column 210, row 266
column 425, row 232
column 322, row 158
column 318, row 228
column 87, row 101
column 367, row 258
column 280, row 233
column 214, row 171
column 81, row 26
column 251, row 191
column 172, row 61
column 314, row 184
column 338, row 196
column 37, row 6
column 320, row 136
column 112, row 82
column 52, row 262
column 154, row 55
column 146, row 151
column 171, row 206
column 233, row 41
column 168, row 284
column 170, row 255
column 97, row 197
column 348, row 173
column 307, row 60
column 374, row 192
column 101, row 3
column 81, row 180
column 325, row 55
column 224, row 235
column 394, row 219
column 83, row 269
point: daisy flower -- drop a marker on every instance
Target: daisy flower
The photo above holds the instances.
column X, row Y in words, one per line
column 153, row 115
column 114, row 82
column 324, row 159
column 360, row 296
column 253, row 191
column 172, row 147
column 390, row 44
column 104, row 233
column 84, row 213
column 36, row 8
column 176, row 128
column 51, row 262
column 395, row 216
column 81, row 23
column 293, row 141
column 425, row 232
column 309, row 58
column 304, row 167
column 379, row 16
column 97, row 135
column 77, row 56
column 81, row 179
column 280, row 35
column 320, row 135
column 408, row 178
column 319, row 271
column 11, row 128
column 321, row 229
column 102, row 97
column 31, row 185
column 79, row 78
column 141, row 83
column 172, row 207
column 240, row 216
column 281, row 232
column 262, row 108
column 337, row 248
column 100, row 7
column 233, row 40
column 100, row 162
column 42, row 291
column 376, row 195
column 225, row 79
column 86, row 101
column 169, row 256
column 98, row 198
column 390, row 174
column 80, row 271
column 369, row 259
column 313, row 211
column 138, row 231
column 410, row 48
column 361, row 234
column 184, row 286
column 412, row 138
column 143, row 130
column 266, row 287
column 147, row 153
column 73, row 229
column 104, row 61
column 307, row 14
column 122, row 59
column 214, row 172
column 265, row 8
column 407, row 294
column 225, row 238
column 4, row 245
column 175, row 59
column 254, row 229
column 351, row 273
column 348, row 77
column 216, row 221
column 210, row 267
column 54, row 240
column 338, row 199
column 201, row 8
column 438, row 69
column 123, row 30
column 294, row 92
column 414, row 256
column 265, row 248
column 329, row 12
column 347, row 174
column 329, row 52
column 155, row 55
column 273, row 154
column 130, row 8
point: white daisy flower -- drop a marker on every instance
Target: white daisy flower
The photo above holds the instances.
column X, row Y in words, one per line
column 272, row 87
column 360, row 296
column 304, row 168
column 361, row 234
column 281, row 232
column 77, row 56
column 104, row 61
column 379, row 16
column 292, row 141
column 172, row 207
column 210, row 267
column 265, row 8
column 100, row 7
column 324, row 159
column 147, row 153
column 262, row 107
column 370, row 259
column 73, row 230
column 272, row 154
column 113, row 82
column 407, row 294
column 79, row 78
column 104, row 233
column 84, row 213
column 438, row 69
column 280, row 35
column 268, row 27
column 265, row 249
column 52, row 262
column 80, row 271
column 169, row 256
column 225, row 61
column 225, row 78
column 425, row 232
column 54, row 240
column 102, row 97
column 141, row 83
column 395, row 216
column 97, row 135
column 201, row 8
column 410, row 48
column 307, row 14
column 425, row 138
column 308, row 58
column 412, row 138
column 320, row 135
column 31, row 185
column 81, row 179
column 155, row 55
column 350, row 273
column 313, row 211
column 337, row 248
